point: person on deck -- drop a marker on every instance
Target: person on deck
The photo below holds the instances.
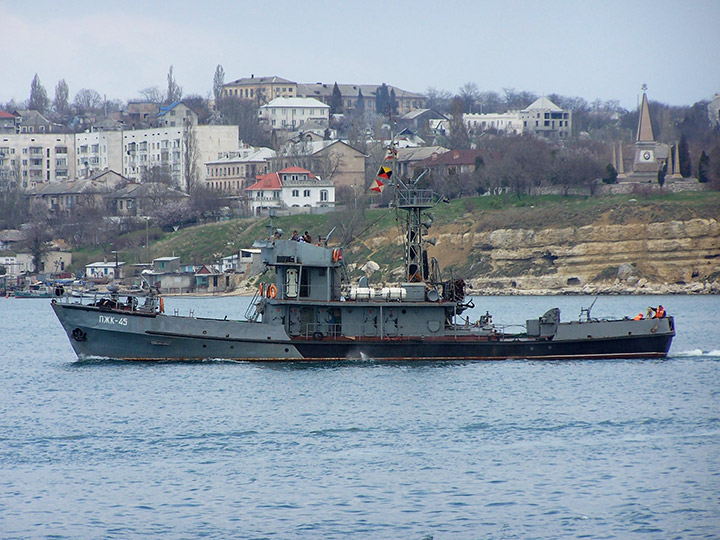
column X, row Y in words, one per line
column 638, row 317
column 660, row 312
column 307, row 237
column 295, row 236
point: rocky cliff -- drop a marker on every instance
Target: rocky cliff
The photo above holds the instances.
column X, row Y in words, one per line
column 653, row 258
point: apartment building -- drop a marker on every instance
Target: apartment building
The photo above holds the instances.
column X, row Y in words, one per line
column 36, row 158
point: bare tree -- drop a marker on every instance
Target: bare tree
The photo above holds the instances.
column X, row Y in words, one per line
column 152, row 94
column 61, row 103
column 174, row 91
column 218, row 82
column 88, row 100
column 244, row 114
column 159, row 174
column 190, row 150
column 470, row 96
column 438, row 100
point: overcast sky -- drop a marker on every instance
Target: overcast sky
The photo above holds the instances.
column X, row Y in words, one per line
column 602, row 49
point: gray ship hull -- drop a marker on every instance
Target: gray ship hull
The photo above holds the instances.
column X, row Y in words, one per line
column 112, row 333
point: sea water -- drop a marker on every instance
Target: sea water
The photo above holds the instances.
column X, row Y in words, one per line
column 365, row 449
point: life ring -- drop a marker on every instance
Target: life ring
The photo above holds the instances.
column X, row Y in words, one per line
column 334, row 255
column 272, row 291
column 318, row 336
column 59, row 290
column 261, row 290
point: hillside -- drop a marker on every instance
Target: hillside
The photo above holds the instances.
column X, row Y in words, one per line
column 665, row 243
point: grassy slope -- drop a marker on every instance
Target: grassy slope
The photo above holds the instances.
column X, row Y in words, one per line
column 376, row 240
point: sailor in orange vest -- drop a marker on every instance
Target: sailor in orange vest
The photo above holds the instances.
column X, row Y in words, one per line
column 638, row 317
column 660, row 312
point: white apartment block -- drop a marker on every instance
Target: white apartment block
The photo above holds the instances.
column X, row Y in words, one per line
column 541, row 118
column 38, row 158
column 290, row 113
column 144, row 148
column 98, row 150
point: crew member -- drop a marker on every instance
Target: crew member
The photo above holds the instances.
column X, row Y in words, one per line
column 660, row 312
column 307, row 237
column 638, row 317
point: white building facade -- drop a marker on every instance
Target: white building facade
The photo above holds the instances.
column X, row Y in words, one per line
column 37, row 158
column 289, row 113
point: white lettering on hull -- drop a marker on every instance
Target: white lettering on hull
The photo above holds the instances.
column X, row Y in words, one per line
column 109, row 319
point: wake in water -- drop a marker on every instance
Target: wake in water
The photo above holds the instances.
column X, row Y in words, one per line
column 699, row 352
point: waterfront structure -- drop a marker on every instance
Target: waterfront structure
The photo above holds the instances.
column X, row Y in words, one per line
column 105, row 270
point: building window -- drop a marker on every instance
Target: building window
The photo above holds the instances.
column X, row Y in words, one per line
column 295, row 192
column 323, row 195
column 306, row 193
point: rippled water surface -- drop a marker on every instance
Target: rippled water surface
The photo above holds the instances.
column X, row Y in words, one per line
column 509, row 449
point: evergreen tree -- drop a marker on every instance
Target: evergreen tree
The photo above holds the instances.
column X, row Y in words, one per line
column 360, row 104
column 382, row 99
column 662, row 171
column 611, row 174
column 393, row 104
column 38, row 96
column 684, row 158
column 61, row 104
column 336, row 101
column 218, row 81
column 704, row 168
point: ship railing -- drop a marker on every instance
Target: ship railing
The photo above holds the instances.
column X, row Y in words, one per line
column 330, row 331
column 415, row 197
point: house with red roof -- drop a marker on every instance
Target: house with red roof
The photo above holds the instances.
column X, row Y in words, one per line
column 293, row 189
column 9, row 122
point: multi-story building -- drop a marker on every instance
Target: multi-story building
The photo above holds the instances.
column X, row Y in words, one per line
column 176, row 114
column 144, row 148
column 260, row 89
column 292, row 187
column 335, row 161
column 289, row 113
column 236, row 171
column 541, row 118
column 407, row 101
column 37, row 157
column 8, row 122
column 96, row 151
